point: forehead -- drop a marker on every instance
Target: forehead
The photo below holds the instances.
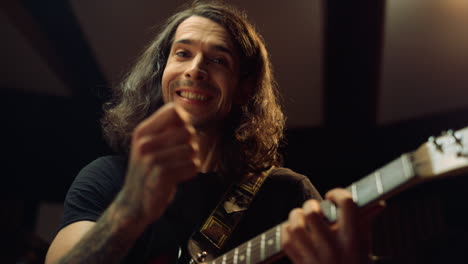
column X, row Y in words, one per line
column 203, row 30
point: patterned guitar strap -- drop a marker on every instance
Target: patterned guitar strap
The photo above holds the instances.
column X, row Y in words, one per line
column 206, row 244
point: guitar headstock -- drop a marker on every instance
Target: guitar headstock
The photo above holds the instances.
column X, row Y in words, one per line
column 444, row 155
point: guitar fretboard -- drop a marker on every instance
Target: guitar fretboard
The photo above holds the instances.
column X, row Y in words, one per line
column 378, row 184
column 373, row 187
column 258, row 249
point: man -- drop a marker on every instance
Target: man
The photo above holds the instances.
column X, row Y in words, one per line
column 198, row 112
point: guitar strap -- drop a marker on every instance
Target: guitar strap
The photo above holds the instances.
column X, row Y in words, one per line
column 209, row 240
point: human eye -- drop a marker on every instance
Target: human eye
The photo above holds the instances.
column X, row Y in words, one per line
column 181, row 53
column 219, row 60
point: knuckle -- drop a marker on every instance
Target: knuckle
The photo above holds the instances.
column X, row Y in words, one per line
column 308, row 203
column 139, row 145
column 333, row 192
column 136, row 133
column 312, row 209
column 297, row 229
column 149, row 159
column 294, row 213
column 312, row 215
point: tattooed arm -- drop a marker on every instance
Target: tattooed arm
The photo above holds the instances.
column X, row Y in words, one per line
column 104, row 241
column 163, row 153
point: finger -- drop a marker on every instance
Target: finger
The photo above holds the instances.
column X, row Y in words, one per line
column 298, row 232
column 164, row 117
column 348, row 212
column 171, row 154
column 171, row 137
column 320, row 230
column 290, row 251
column 183, row 114
column 299, row 237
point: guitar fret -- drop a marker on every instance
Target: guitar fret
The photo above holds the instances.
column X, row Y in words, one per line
column 236, row 255
column 254, row 250
column 396, row 173
column 249, row 245
column 329, row 210
column 354, row 193
column 333, row 211
column 262, row 247
column 242, row 257
column 241, row 253
column 406, row 166
column 378, row 182
column 270, row 238
column 278, row 237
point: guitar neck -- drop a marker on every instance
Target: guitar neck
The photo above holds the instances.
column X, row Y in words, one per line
column 382, row 183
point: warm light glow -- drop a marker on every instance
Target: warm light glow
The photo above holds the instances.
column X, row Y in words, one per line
column 425, row 58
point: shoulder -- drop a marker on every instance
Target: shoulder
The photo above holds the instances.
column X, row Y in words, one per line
column 93, row 189
column 105, row 173
column 105, row 163
column 103, row 169
column 286, row 175
column 106, row 167
column 292, row 182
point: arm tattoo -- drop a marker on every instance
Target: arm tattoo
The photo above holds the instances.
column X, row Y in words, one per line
column 106, row 242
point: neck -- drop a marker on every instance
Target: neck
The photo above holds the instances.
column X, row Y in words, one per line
column 208, row 153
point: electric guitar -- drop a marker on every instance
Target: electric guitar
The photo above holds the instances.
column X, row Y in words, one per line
column 446, row 155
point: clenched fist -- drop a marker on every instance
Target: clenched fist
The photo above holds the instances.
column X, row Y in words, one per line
column 163, row 153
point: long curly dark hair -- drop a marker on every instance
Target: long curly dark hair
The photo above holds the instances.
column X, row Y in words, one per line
column 251, row 140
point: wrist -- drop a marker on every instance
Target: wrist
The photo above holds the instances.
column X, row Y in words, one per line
column 128, row 216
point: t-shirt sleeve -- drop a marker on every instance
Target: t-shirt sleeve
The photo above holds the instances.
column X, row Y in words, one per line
column 295, row 188
column 93, row 190
column 308, row 190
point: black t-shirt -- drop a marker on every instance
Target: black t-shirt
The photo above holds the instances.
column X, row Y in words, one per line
column 97, row 184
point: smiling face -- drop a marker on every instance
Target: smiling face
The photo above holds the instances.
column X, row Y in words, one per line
column 202, row 71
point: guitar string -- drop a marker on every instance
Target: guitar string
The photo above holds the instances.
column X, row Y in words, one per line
column 256, row 244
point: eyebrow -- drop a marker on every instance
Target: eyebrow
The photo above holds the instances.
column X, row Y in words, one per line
column 218, row 47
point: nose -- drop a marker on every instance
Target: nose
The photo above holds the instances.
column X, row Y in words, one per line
column 196, row 71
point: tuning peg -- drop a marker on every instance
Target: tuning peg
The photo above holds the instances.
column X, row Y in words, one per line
column 455, row 136
column 433, row 141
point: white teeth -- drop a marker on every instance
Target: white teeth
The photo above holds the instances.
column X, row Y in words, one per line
column 193, row 96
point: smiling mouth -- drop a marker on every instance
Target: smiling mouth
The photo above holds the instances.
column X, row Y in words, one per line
column 192, row 96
